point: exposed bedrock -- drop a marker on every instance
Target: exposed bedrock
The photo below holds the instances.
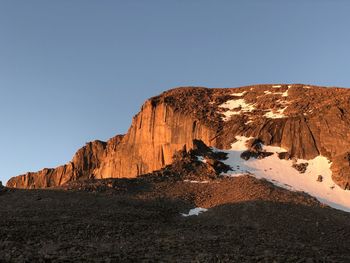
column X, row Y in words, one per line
column 315, row 122
column 156, row 133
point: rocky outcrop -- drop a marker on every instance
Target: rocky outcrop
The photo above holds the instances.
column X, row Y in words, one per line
column 341, row 170
column 83, row 164
column 305, row 120
column 156, row 134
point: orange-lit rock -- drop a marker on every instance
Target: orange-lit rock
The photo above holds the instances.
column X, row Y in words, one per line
column 305, row 120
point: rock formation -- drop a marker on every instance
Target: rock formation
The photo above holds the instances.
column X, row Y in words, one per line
column 305, row 120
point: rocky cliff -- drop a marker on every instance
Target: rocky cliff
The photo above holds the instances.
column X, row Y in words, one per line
column 305, row 120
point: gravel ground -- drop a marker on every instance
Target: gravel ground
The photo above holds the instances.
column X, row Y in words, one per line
column 133, row 220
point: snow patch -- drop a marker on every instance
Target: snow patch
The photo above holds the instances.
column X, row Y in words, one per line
column 276, row 86
column 239, row 94
column 201, row 159
column 278, row 114
column 285, row 94
column 195, row 211
column 241, row 143
column 281, row 173
column 236, row 107
column 196, row 182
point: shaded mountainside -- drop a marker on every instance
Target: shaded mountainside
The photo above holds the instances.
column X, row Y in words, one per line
column 140, row 219
column 307, row 121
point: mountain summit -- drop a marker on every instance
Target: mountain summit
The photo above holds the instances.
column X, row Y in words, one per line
column 296, row 136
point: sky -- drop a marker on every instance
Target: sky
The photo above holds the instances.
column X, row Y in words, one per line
column 72, row 71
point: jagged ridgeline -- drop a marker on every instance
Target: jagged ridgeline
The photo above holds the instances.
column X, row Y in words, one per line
column 306, row 121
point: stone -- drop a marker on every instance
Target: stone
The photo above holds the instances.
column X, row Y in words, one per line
column 284, row 155
column 300, row 167
column 314, row 122
column 255, row 145
column 246, row 155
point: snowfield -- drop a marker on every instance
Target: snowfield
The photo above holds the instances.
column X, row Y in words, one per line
column 281, row 173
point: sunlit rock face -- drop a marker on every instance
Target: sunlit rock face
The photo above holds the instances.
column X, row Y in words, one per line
column 306, row 121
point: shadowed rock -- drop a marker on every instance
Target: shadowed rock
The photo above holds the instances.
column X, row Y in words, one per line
column 300, row 167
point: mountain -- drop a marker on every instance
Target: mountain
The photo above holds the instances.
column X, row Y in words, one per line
column 296, row 136
column 184, row 212
column 249, row 174
column 153, row 218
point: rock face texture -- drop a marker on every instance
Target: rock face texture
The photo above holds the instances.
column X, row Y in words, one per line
column 305, row 120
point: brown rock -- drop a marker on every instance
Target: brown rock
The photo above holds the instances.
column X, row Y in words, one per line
column 83, row 165
column 284, row 155
column 341, row 170
column 246, row 155
column 254, row 145
column 300, row 167
column 315, row 121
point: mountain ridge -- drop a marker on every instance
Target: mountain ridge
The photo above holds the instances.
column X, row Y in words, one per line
column 306, row 120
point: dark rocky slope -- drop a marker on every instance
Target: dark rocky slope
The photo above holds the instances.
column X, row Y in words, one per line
column 305, row 120
column 139, row 219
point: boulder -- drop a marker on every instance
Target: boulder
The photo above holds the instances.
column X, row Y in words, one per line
column 300, row 167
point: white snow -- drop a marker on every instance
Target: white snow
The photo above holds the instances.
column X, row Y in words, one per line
column 240, row 143
column 201, row 159
column 239, row 94
column 275, row 114
column 276, row 86
column 236, row 107
column 285, row 94
column 195, row 211
column 307, row 87
column 196, row 182
column 281, row 173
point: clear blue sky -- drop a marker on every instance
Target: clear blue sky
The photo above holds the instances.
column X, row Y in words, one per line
column 73, row 71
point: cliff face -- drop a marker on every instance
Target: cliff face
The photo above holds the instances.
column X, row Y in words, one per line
column 84, row 162
column 305, row 120
column 156, row 133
